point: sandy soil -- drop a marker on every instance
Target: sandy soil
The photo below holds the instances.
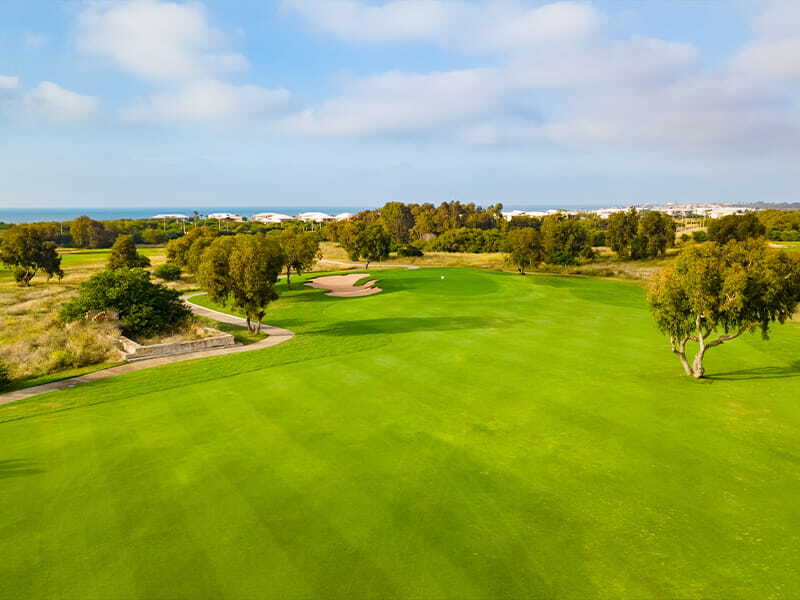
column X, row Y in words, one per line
column 344, row 286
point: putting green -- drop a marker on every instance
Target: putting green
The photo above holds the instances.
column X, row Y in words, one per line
column 463, row 434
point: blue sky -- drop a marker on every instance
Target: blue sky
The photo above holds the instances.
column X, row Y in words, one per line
column 122, row 103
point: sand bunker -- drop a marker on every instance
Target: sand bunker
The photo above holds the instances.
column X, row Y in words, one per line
column 344, row 286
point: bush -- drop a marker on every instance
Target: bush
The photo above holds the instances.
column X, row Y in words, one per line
column 467, row 240
column 168, row 272
column 5, row 378
column 145, row 308
column 699, row 236
column 409, row 251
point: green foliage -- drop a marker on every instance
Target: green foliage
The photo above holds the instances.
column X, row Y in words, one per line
column 732, row 289
column 168, row 272
column 145, row 308
column 372, row 244
column 25, row 251
column 398, row 221
column 5, row 377
column 301, row 249
column 243, row 270
column 638, row 235
column 87, row 233
column 736, row 228
column 524, row 248
column 178, row 250
column 565, row 241
column 124, row 255
column 699, row 236
column 409, row 251
column 467, row 240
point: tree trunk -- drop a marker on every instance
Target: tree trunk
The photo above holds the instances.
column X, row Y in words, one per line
column 679, row 348
column 249, row 327
column 288, row 277
column 260, row 318
column 367, row 267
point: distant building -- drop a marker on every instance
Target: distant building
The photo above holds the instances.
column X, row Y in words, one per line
column 271, row 218
column 171, row 217
column 226, row 217
column 314, row 217
column 523, row 213
column 344, row 216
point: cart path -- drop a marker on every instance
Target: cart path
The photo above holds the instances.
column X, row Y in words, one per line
column 276, row 336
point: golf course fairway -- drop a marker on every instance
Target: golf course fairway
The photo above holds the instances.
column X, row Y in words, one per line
column 462, row 434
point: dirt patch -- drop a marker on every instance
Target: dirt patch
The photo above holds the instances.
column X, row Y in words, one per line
column 344, row 286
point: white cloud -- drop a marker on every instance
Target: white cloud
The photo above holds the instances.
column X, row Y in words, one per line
column 775, row 53
column 404, row 102
column 209, row 100
column 393, row 21
column 157, row 40
column 50, row 101
column 8, row 82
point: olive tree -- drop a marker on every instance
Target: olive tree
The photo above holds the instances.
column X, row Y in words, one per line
column 714, row 294
column 524, row 248
column 24, row 250
column 124, row 255
column 301, row 249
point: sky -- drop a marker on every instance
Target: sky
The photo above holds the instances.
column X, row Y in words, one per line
column 129, row 103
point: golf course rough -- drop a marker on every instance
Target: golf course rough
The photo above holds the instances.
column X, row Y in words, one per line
column 485, row 435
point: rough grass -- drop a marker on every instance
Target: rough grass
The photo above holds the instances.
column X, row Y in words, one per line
column 481, row 435
column 32, row 340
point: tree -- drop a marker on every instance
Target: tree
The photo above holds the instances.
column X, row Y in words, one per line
column 124, row 255
column 398, row 221
column 565, row 240
column 301, row 249
column 87, row 233
column 622, row 229
column 178, row 249
column 656, row 234
column 736, row 227
column 714, row 293
column 524, row 248
column 24, row 250
column 213, row 274
column 255, row 263
column 372, row 243
column 145, row 308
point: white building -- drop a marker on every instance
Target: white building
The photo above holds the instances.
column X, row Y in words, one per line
column 344, row 216
column 226, row 217
column 176, row 217
column 523, row 213
column 315, row 217
column 271, row 218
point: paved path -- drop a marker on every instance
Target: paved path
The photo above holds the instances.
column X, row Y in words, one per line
column 276, row 336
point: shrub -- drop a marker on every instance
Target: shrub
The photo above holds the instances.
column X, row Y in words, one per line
column 5, row 378
column 467, row 240
column 168, row 272
column 124, row 255
column 699, row 236
column 409, row 251
column 145, row 308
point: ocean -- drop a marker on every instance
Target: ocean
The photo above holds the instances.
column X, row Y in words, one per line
column 39, row 215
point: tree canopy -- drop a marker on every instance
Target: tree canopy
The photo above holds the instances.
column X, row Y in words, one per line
column 243, row 270
column 88, row 233
column 565, row 240
column 714, row 293
column 124, row 255
column 636, row 235
column 524, row 248
column 372, row 244
column 145, row 308
column 26, row 252
column 736, row 228
column 301, row 249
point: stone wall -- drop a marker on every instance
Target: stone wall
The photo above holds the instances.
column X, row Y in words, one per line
column 133, row 351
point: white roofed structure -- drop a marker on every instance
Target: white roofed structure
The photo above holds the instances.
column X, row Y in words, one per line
column 226, row 217
column 176, row 217
column 272, row 218
column 315, row 217
column 343, row 216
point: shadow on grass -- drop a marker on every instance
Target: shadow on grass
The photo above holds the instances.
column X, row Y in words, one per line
column 785, row 372
column 18, row 468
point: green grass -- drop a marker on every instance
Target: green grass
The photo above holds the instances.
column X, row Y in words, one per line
column 60, row 375
column 481, row 435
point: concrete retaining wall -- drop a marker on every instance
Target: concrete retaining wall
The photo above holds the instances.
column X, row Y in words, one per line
column 133, row 351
